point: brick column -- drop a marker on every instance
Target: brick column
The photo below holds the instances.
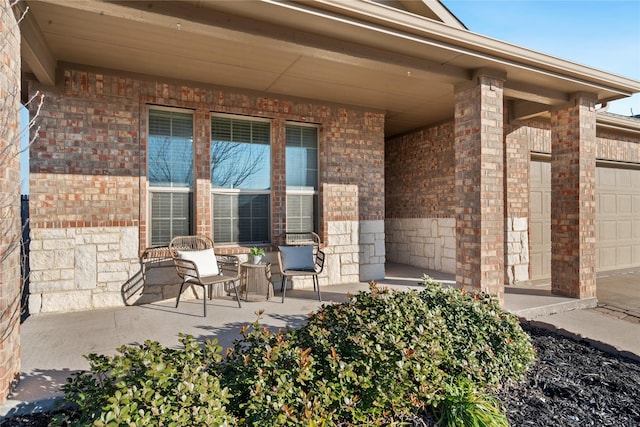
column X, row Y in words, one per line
column 516, row 191
column 10, row 281
column 573, row 200
column 202, row 176
column 479, row 176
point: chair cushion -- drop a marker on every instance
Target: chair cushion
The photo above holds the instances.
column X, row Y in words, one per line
column 297, row 258
column 205, row 260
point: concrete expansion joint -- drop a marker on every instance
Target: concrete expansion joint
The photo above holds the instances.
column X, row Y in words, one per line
column 619, row 313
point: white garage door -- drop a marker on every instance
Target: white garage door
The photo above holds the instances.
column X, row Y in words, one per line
column 540, row 219
column 617, row 218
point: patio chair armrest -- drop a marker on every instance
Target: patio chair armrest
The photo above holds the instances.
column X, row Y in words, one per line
column 229, row 263
column 271, row 271
column 319, row 261
column 186, row 267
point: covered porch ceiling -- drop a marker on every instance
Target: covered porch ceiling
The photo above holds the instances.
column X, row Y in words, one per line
column 360, row 53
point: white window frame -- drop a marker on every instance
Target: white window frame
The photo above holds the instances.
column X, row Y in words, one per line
column 302, row 192
column 238, row 192
column 164, row 189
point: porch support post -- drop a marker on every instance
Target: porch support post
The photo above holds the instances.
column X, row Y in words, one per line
column 516, row 192
column 479, row 177
column 573, row 200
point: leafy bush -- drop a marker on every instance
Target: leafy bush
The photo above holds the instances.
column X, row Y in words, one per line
column 273, row 380
column 151, row 385
column 485, row 344
column 380, row 352
column 379, row 358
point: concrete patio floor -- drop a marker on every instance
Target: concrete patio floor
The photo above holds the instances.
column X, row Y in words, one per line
column 53, row 345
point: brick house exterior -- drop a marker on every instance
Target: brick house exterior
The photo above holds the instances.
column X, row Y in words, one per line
column 446, row 191
column 420, row 221
column 85, row 255
column 10, row 282
column 427, row 139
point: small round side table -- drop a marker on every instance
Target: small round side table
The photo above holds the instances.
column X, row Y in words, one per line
column 254, row 283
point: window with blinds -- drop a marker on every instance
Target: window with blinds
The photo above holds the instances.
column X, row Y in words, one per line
column 241, row 179
column 170, row 214
column 302, row 177
column 170, row 173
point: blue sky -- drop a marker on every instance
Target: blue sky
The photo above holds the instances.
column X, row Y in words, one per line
column 603, row 34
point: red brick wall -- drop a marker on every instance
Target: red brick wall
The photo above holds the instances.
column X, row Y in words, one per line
column 516, row 170
column 91, row 148
column 84, row 163
column 479, row 154
column 352, row 152
column 420, row 169
column 10, row 283
column 573, row 195
column 617, row 147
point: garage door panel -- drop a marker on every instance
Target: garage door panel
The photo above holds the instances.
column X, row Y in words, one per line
column 608, row 180
column 540, row 219
column 607, row 231
column 608, row 204
column 624, row 230
column 617, row 218
column 623, row 177
column 607, row 255
column 535, row 201
column 623, row 255
column 624, row 204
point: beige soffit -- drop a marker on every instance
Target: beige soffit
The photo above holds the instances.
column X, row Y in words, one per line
column 354, row 52
column 383, row 27
column 405, row 26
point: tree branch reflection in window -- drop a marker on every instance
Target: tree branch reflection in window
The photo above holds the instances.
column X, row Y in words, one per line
column 240, row 154
column 170, row 149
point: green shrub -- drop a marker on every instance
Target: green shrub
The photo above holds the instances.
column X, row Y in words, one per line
column 485, row 344
column 273, row 380
column 379, row 358
column 151, row 385
column 380, row 354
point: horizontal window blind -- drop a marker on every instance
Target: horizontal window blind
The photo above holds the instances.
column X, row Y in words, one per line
column 240, row 154
column 301, row 210
column 241, row 218
column 302, row 178
column 170, row 216
column 170, row 166
column 170, row 149
column 302, row 157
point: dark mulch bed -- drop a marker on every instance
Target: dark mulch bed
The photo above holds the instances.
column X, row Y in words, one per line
column 572, row 384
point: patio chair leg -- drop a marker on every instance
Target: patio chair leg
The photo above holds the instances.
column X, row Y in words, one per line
column 204, row 300
column 316, row 285
column 284, row 287
column 179, row 293
column 237, row 295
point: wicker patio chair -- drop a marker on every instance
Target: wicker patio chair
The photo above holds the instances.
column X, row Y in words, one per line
column 197, row 264
column 300, row 261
